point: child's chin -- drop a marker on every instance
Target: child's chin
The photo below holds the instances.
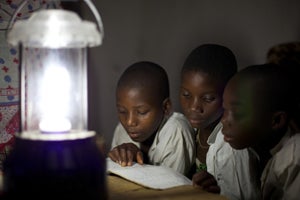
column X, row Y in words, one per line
column 136, row 139
column 236, row 146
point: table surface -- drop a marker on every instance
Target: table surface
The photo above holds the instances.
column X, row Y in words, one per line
column 122, row 189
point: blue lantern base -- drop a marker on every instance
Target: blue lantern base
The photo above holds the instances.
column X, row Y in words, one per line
column 58, row 169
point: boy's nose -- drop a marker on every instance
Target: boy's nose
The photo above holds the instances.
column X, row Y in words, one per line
column 131, row 120
column 224, row 118
column 196, row 105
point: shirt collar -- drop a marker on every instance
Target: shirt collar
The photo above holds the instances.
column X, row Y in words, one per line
column 212, row 137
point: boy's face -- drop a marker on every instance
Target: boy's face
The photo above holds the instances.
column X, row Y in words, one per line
column 139, row 112
column 200, row 99
column 245, row 122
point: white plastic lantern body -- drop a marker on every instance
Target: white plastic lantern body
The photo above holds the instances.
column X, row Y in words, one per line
column 54, row 90
column 54, row 70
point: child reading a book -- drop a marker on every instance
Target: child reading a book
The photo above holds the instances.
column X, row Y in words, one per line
column 259, row 102
column 204, row 75
column 148, row 131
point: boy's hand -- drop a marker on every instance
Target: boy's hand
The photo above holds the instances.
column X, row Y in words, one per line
column 125, row 154
column 206, row 181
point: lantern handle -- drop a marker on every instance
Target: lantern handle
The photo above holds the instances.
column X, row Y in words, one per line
column 22, row 4
column 89, row 3
column 96, row 15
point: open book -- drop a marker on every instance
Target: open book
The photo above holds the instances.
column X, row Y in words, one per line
column 151, row 176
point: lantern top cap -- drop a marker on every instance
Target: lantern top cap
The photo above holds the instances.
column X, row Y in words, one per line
column 55, row 28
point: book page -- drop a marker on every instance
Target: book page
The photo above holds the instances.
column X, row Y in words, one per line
column 151, row 176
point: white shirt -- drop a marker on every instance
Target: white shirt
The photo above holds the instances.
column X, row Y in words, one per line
column 173, row 145
column 235, row 170
column 281, row 176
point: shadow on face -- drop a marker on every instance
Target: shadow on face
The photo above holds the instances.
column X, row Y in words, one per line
column 200, row 99
column 246, row 121
column 139, row 112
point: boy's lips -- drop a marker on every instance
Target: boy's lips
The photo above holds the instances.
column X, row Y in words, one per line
column 196, row 121
column 228, row 138
column 194, row 116
column 134, row 134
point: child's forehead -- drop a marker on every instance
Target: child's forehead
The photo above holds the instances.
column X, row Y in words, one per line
column 193, row 71
column 143, row 93
column 247, row 94
column 241, row 90
column 199, row 76
column 201, row 84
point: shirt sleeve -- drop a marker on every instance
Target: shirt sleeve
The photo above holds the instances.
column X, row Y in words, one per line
column 281, row 176
column 175, row 146
column 292, row 188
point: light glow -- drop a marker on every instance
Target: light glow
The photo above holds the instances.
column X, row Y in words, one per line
column 54, row 39
column 54, row 28
column 55, row 125
column 55, row 100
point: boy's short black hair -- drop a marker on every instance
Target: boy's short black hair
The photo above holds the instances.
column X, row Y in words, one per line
column 271, row 85
column 217, row 61
column 147, row 75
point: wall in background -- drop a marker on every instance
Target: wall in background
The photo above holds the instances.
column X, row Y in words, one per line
column 166, row 31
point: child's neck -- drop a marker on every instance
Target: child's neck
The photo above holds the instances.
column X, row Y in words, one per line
column 264, row 156
column 202, row 145
column 209, row 129
column 270, row 141
column 145, row 146
column 264, row 148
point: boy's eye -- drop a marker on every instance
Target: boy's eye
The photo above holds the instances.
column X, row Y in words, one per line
column 238, row 115
column 209, row 99
column 121, row 111
column 185, row 94
column 142, row 112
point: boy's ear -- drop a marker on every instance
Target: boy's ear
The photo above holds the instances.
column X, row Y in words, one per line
column 167, row 106
column 279, row 120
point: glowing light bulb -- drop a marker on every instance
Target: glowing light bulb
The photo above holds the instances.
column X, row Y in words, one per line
column 54, row 101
